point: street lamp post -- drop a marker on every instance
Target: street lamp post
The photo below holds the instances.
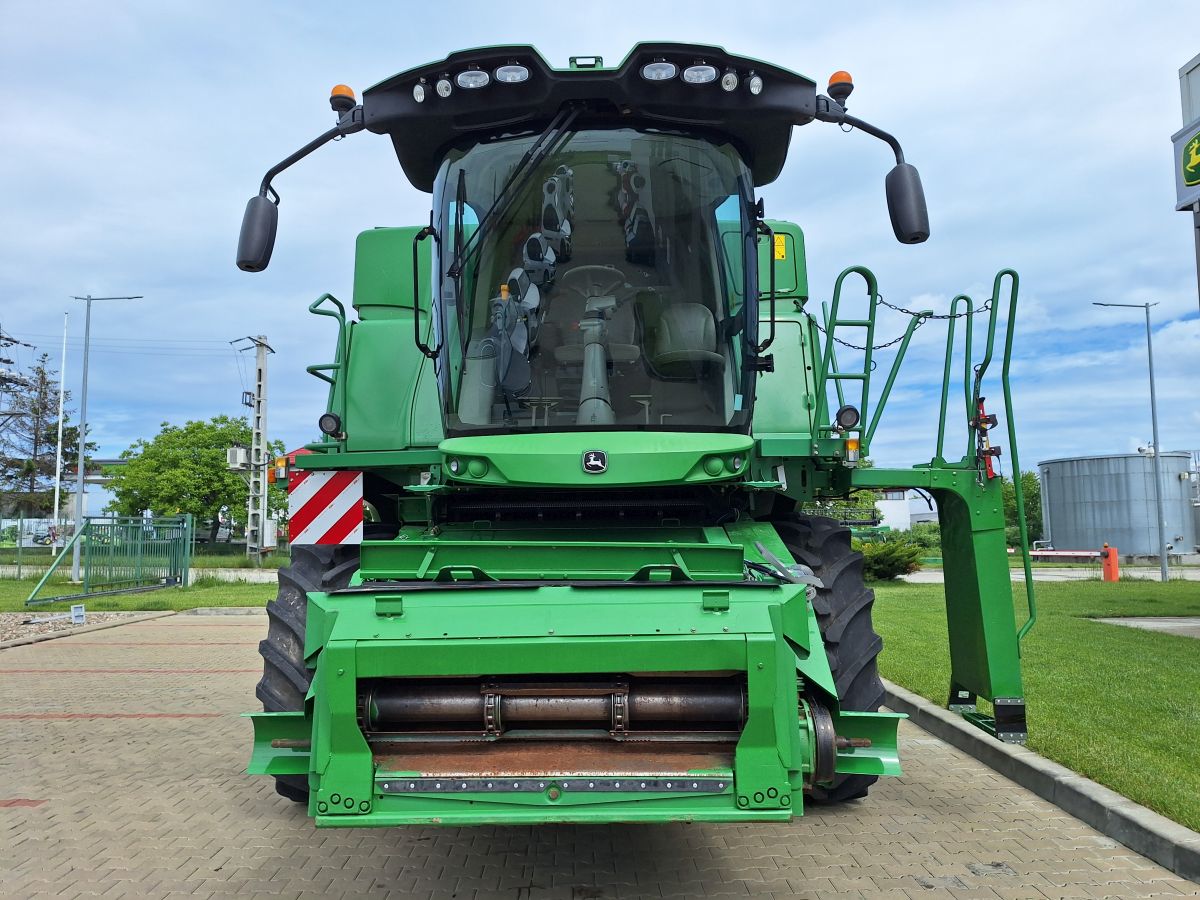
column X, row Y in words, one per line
column 87, row 337
column 1158, row 497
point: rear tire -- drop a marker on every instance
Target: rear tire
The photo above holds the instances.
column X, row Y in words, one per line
column 285, row 678
column 843, row 608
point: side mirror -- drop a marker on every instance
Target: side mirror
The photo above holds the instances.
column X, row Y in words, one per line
column 906, row 204
column 257, row 239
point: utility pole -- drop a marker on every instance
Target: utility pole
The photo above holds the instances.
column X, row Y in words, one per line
column 256, row 503
column 1158, row 493
column 87, row 337
column 62, row 386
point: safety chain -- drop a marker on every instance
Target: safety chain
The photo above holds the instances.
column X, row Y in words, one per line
column 908, row 312
column 856, row 346
column 921, row 318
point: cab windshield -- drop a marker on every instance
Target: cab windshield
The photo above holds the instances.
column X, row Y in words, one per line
column 608, row 295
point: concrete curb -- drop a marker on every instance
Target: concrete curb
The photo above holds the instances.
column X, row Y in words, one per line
column 1142, row 830
column 68, row 632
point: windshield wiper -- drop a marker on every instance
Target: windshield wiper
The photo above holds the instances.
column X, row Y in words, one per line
column 542, row 146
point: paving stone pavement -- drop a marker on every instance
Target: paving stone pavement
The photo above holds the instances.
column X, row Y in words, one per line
column 121, row 775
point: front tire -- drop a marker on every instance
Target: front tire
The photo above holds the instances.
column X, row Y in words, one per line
column 285, row 678
column 843, row 609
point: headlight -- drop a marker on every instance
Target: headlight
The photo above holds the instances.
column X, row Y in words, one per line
column 846, row 417
column 512, row 74
column 659, row 71
column 473, row 78
column 699, row 74
column 755, row 83
column 455, row 466
column 419, row 92
column 444, row 87
column 330, row 424
column 729, row 81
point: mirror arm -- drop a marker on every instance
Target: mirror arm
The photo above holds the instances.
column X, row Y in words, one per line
column 829, row 110
column 353, row 121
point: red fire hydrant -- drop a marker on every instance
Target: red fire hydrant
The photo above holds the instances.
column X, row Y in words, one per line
column 1110, row 567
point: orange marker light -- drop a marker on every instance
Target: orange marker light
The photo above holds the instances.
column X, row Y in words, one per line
column 841, row 85
column 853, row 452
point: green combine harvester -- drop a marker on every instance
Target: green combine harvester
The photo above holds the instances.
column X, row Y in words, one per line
column 547, row 559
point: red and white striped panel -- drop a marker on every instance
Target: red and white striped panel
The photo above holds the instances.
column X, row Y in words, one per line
column 325, row 507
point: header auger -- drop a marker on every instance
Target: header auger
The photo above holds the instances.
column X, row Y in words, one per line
column 548, row 559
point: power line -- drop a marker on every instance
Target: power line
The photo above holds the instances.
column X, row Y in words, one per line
column 144, row 340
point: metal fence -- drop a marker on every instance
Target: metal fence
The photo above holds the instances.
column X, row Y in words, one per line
column 126, row 553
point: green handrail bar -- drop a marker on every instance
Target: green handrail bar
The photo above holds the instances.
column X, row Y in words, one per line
column 941, row 439
column 868, row 323
column 1018, row 488
column 337, row 384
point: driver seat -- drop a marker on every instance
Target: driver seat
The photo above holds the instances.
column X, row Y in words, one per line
column 685, row 344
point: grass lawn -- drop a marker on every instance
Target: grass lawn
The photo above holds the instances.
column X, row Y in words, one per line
column 41, row 557
column 205, row 592
column 1117, row 704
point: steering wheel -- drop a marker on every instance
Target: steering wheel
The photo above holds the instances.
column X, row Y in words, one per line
column 594, row 281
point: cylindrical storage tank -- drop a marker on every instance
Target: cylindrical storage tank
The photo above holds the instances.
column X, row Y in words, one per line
column 1088, row 501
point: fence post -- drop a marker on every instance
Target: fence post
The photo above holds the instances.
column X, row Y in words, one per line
column 20, row 539
column 186, row 548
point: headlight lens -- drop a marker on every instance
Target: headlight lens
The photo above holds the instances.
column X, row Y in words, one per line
column 729, row 81
column 419, row 93
column 756, row 84
column 699, row 74
column 473, row 78
column 846, row 417
column 444, row 87
column 659, row 71
column 512, row 74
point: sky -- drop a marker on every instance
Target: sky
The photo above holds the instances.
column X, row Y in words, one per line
column 1042, row 133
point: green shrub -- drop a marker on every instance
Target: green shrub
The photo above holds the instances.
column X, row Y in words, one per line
column 927, row 536
column 890, row 559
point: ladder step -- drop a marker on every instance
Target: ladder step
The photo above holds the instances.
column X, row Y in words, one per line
column 847, row 376
column 856, row 323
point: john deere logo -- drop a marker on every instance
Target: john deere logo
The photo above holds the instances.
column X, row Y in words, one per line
column 1191, row 161
column 595, row 462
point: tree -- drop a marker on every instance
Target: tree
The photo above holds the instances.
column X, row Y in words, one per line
column 1031, row 486
column 29, row 439
column 183, row 470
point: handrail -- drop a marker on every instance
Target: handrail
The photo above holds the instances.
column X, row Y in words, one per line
column 832, row 323
column 337, row 387
column 969, row 315
column 1018, row 488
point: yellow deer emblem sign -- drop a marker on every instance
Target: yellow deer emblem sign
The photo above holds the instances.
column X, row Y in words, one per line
column 1190, row 161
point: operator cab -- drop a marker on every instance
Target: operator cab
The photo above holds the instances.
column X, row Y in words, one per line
column 609, row 294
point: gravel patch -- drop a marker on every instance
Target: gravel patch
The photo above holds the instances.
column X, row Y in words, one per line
column 12, row 625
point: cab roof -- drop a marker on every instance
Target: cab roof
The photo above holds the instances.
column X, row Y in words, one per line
column 758, row 125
